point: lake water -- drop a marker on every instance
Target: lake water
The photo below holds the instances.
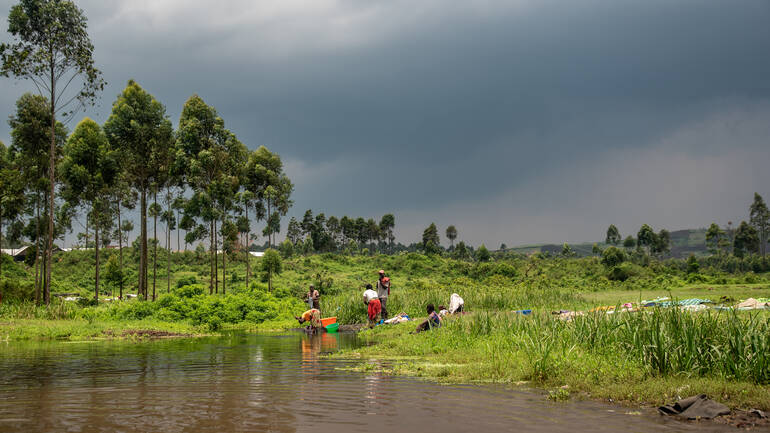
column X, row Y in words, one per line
column 266, row 383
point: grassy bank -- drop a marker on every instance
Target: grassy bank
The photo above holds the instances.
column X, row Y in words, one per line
column 646, row 358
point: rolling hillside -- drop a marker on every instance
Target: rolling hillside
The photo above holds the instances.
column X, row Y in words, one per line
column 683, row 243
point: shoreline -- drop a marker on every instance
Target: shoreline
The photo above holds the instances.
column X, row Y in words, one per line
column 433, row 357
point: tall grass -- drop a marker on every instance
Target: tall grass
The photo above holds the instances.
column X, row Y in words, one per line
column 28, row 310
column 496, row 296
column 734, row 346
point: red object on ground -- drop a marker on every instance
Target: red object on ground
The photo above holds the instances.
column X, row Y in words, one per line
column 328, row 321
column 374, row 309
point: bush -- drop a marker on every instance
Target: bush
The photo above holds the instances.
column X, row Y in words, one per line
column 186, row 281
column 613, row 256
column 190, row 291
column 692, row 264
column 622, row 272
column 16, row 291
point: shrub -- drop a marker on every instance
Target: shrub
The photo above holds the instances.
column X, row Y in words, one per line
column 692, row 264
column 189, row 291
column 186, row 281
column 16, row 291
column 613, row 256
column 622, row 272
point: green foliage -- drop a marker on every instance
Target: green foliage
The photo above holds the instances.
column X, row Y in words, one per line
column 141, row 133
column 692, row 264
column 623, row 272
column 451, row 234
column 613, row 256
column 613, row 235
column 746, row 240
column 482, row 254
column 759, row 217
column 15, row 291
column 190, row 303
column 646, row 237
column 595, row 249
column 430, row 240
column 716, row 238
column 270, row 265
column 629, row 242
column 114, row 274
column 286, row 248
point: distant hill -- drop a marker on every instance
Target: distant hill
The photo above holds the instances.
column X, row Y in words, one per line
column 683, row 243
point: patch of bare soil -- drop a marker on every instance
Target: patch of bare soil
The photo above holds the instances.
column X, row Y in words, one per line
column 745, row 419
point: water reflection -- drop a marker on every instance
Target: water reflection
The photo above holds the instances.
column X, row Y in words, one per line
column 240, row 383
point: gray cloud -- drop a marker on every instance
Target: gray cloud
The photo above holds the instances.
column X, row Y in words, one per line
column 518, row 121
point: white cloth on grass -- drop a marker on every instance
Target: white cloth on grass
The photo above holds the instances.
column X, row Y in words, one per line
column 455, row 302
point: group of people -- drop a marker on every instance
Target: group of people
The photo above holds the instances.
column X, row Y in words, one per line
column 376, row 301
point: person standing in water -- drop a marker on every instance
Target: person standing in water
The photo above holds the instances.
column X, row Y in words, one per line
column 383, row 291
column 312, row 316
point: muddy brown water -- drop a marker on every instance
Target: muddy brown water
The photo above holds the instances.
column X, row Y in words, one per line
column 258, row 383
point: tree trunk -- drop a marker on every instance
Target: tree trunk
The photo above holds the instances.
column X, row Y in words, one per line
column 178, row 248
column 143, row 246
column 96, row 248
column 213, row 258
column 269, row 229
column 224, row 259
column 120, row 252
column 155, row 242
column 52, row 184
column 216, row 260
column 168, row 261
column 37, row 251
column 248, row 253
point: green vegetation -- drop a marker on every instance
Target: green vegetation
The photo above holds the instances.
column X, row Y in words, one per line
column 633, row 358
column 212, row 187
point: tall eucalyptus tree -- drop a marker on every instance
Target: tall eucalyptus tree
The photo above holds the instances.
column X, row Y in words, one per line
column 52, row 49
column 139, row 129
column 89, row 170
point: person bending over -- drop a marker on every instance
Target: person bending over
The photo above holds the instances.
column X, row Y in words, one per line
column 313, row 317
column 373, row 306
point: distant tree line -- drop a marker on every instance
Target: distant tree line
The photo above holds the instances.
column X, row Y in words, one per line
column 725, row 244
column 346, row 234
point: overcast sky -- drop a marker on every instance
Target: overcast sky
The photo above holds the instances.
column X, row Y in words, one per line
column 518, row 121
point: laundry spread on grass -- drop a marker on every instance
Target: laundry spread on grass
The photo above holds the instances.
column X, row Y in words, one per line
column 689, row 305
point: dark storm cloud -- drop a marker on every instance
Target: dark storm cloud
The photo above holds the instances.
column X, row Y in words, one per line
column 450, row 112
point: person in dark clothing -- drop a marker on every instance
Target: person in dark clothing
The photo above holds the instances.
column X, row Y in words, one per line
column 383, row 291
column 433, row 320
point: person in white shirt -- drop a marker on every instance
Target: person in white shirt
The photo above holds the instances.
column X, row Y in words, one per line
column 373, row 306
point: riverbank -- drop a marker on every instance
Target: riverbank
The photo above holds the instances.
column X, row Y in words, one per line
column 83, row 330
column 80, row 330
column 602, row 357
